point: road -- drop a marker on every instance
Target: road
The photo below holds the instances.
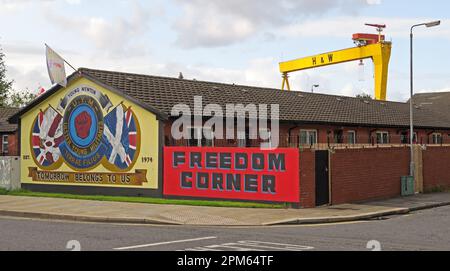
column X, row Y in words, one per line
column 424, row 230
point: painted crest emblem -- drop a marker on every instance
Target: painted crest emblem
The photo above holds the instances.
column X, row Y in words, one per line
column 84, row 134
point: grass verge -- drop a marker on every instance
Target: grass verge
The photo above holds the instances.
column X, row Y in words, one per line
column 229, row 204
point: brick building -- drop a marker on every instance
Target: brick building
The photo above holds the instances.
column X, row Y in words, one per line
column 8, row 133
column 339, row 143
column 306, row 119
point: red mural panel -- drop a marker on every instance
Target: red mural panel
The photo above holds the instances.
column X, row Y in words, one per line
column 232, row 173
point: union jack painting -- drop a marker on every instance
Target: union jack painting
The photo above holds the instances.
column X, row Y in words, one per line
column 46, row 137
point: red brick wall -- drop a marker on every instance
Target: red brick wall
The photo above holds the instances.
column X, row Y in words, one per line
column 364, row 135
column 365, row 174
column 307, row 179
column 436, row 168
column 13, row 144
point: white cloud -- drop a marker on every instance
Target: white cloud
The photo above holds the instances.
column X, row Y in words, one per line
column 8, row 6
column 116, row 37
column 333, row 27
column 217, row 23
column 445, row 89
column 114, row 43
column 374, row 2
column 73, row 2
column 31, row 78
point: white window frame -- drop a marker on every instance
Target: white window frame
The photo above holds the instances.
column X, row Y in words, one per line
column 434, row 138
column 5, row 141
column 308, row 136
column 382, row 137
column 354, row 137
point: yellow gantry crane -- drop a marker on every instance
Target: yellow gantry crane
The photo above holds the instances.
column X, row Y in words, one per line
column 368, row 46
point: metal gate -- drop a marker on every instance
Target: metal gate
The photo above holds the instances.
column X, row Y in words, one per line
column 322, row 178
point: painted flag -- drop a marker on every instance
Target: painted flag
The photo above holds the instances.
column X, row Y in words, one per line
column 47, row 136
column 120, row 137
column 55, row 66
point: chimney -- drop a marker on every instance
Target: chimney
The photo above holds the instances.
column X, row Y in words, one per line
column 180, row 76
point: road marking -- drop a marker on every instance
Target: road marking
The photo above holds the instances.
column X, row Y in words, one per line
column 275, row 246
column 166, row 243
column 252, row 246
column 199, row 249
column 233, row 247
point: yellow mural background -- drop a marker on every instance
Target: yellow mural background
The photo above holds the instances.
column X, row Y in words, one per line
column 149, row 138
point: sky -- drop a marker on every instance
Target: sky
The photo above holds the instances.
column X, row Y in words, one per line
column 233, row 41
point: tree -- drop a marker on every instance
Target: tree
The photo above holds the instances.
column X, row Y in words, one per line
column 21, row 99
column 5, row 85
column 9, row 97
column 364, row 96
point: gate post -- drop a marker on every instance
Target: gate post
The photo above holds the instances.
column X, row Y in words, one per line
column 330, row 178
column 418, row 171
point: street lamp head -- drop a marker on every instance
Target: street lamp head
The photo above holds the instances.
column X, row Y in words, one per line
column 316, row 86
column 432, row 24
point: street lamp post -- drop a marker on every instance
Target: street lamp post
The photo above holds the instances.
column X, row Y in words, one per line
column 411, row 104
column 313, row 87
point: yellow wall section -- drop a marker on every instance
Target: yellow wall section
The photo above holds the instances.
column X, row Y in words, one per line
column 148, row 148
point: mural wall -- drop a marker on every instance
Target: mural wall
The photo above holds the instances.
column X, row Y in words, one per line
column 87, row 135
column 232, row 173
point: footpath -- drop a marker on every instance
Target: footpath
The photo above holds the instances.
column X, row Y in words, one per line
column 140, row 213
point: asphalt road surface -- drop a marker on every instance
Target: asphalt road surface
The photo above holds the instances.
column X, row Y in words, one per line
column 424, row 230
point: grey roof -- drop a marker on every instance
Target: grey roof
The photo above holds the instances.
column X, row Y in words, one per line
column 438, row 102
column 160, row 94
column 5, row 114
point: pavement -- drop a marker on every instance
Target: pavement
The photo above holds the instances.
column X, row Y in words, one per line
column 139, row 213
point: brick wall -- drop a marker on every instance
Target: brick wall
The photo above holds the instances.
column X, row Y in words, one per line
column 14, row 144
column 307, row 179
column 366, row 174
column 436, row 168
column 289, row 134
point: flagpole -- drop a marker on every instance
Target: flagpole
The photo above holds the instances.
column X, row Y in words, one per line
column 70, row 65
column 65, row 61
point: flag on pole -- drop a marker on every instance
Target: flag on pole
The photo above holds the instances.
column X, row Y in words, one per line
column 55, row 66
column 41, row 91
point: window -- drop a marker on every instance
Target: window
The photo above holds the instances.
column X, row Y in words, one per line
column 308, row 137
column 437, row 138
column 382, row 138
column 5, row 144
column 339, row 137
column 198, row 139
column 404, row 138
column 351, row 137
